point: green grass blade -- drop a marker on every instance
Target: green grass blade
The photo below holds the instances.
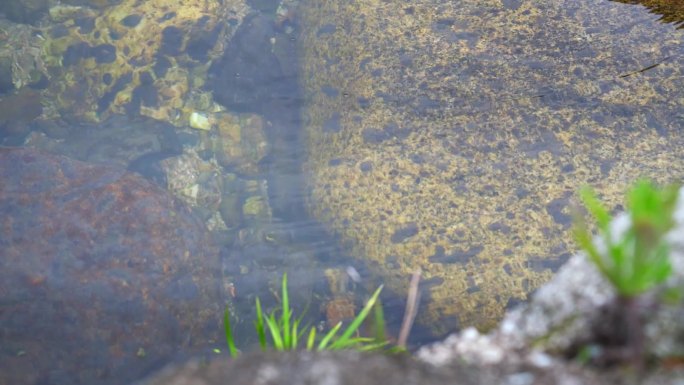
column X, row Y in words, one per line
column 259, row 325
column 229, row 334
column 379, row 322
column 350, row 343
column 275, row 332
column 287, row 313
column 311, row 339
column 295, row 334
column 595, row 207
column 326, row 339
column 354, row 326
column 373, row 346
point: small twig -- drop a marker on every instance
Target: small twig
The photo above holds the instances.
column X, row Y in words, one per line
column 411, row 309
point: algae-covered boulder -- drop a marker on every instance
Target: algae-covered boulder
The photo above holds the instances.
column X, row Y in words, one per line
column 136, row 57
column 451, row 136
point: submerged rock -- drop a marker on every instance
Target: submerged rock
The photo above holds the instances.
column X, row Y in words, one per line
column 451, row 136
column 105, row 276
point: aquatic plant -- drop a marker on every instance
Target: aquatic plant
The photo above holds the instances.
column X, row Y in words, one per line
column 285, row 333
column 631, row 252
column 636, row 259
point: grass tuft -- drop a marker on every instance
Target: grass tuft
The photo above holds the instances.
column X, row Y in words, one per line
column 284, row 330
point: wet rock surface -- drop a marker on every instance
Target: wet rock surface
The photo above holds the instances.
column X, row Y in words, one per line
column 250, row 76
column 133, row 57
column 451, row 136
column 104, row 276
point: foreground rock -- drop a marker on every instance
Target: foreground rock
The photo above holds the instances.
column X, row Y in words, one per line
column 105, row 276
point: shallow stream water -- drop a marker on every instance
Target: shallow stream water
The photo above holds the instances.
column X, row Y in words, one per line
column 243, row 177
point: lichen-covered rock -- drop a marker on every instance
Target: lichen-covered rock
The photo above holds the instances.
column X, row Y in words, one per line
column 136, row 57
column 104, row 275
column 451, row 136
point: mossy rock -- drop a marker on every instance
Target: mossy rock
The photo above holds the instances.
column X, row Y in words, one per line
column 451, row 137
column 135, row 57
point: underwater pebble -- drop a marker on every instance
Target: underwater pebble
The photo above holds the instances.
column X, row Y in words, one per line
column 200, row 121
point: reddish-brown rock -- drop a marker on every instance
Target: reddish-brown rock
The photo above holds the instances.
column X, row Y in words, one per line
column 103, row 275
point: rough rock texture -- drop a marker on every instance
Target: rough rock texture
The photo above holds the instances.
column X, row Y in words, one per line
column 103, row 275
column 341, row 368
column 451, row 136
column 137, row 57
column 530, row 346
column 571, row 311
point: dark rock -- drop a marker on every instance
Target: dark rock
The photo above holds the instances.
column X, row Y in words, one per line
column 172, row 41
column 75, row 52
column 25, row 11
column 138, row 145
column 17, row 111
column 249, row 75
column 104, row 53
column 266, row 6
column 104, row 276
column 85, row 24
column 131, row 21
column 97, row 4
column 109, row 96
column 405, row 232
column 161, row 65
column 201, row 41
column 6, row 85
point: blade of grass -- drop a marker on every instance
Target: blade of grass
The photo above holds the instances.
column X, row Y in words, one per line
column 374, row 346
column 311, row 339
column 326, row 339
column 229, row 334
column 287, row 343
column 259, row 325
column 352, row 343
column 275, row 332
column 353, row 327
column 294, row 335
column 378, row 322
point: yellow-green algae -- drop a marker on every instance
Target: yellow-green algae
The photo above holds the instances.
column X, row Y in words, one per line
column 90, row 90
column 451, row 136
